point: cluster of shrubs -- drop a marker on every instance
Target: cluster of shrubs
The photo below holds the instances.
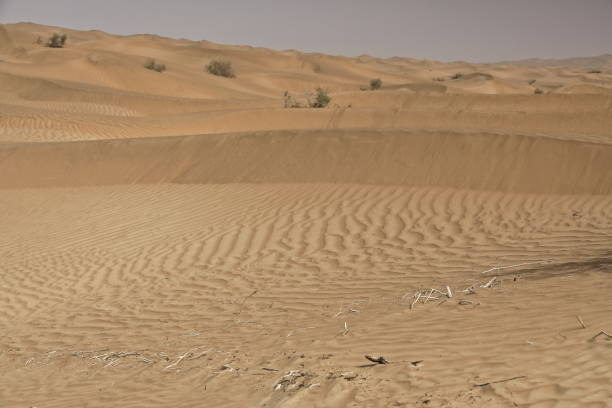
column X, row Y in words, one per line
column 320, row 99
column 221, row 68
column 55, row 41
column 153, row 66
column 375, row 84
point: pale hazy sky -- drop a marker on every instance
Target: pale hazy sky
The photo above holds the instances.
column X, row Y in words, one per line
column 473, row 30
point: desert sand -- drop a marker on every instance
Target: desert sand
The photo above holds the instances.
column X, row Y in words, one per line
column 179, row 239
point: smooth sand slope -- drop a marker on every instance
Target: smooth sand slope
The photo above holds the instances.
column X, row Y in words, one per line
column 178, row 239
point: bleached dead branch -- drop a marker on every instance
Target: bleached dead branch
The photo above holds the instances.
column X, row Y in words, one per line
column 497, row 268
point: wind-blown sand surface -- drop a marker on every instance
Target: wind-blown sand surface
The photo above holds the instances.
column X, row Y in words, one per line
column 178, row 239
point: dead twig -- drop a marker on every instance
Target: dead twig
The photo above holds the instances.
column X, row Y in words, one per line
column 497, row 268
column 489, row 283
column 379, row 360
column 244, row 300
column 415, row 300
column 179, row 359
column 500, row 381
column 346, row 329
column 581, row 321
column 601, row 333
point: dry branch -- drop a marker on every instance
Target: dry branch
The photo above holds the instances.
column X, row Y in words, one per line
column 489, row 283
column 581, row 321
column 609, row 336
column 379, row 360
column 500, row 381
column 497, row 268
column 415, row 300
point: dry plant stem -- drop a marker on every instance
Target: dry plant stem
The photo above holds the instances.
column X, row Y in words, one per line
column 415, row 300
column 497, row 268
column 429, row 296
column 500, row 381
column 489, row 283
column 600, row 334
column 379, row 360
column 448, row 292
column 581, row 321
column 180, row 358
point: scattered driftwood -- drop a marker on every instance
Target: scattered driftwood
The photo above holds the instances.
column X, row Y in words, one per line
column 379, row 360
column 500, row 381
column 581, row 321
column 601, row 333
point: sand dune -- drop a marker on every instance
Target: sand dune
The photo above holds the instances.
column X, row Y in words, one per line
column 179, row 239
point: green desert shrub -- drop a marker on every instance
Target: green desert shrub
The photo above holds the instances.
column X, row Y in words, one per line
column 375, row 84
column 153, row 66
column 321, row 99
column 221, row 68
column 57, row 41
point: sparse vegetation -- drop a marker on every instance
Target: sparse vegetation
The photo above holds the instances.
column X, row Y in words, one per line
column 57, row 41
column 595, row 71
column 439, row 79
column 321, row 100
column 458, row 75
column 290, row 101
column 153, row 66
column 531, row 81
column 538, row 91
column 221, row 68
column 375, row 84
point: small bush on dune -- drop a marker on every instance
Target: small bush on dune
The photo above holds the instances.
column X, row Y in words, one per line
column 375, row 84
column 538, row 91
column 458, row 75
column 57, row 41
column 154, row 66
column 321, row 100
column 221, row 68
column 595, row 71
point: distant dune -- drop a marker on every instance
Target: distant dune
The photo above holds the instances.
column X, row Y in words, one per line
column 180, row 239
column 602, row 62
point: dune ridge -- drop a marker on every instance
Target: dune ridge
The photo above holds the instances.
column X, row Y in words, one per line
column 472, row 161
